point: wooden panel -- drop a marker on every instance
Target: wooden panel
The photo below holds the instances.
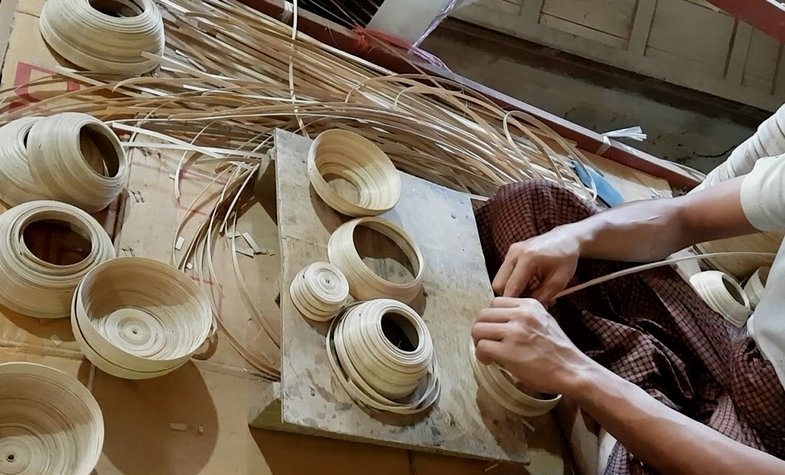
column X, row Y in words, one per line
column 612, row 17
column 641, row 28
column 684, row 42
column 464, row 421
column 685, row 30
column 692, row 70
column 582, row 31
column 738, row 54
column 761, row 66
column 7, row 8
column 506, row 6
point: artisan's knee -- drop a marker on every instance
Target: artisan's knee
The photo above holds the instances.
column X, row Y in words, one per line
column 529, row 190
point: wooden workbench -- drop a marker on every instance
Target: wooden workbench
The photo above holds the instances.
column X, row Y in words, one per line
column 465, row 421
column 213, row 394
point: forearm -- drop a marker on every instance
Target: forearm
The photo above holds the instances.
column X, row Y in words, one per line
column 650, row 230
column 636, row 232
column 659, row 436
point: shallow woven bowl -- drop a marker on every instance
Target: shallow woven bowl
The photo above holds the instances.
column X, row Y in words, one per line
column 140, row 315
column 347, row 155
column 49, row 423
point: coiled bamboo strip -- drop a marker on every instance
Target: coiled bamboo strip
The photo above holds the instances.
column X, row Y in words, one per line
column 105, row 36
column 756, row 285
column 104, row 364
column 32, row 286
column 143, row 317
column 724, row 295
column 364, row 284
column 501, row 386
column 397, row 377
column 49, row 423
column 16, row 182
column 344, row 154
column 77, row 159
column 319, row 291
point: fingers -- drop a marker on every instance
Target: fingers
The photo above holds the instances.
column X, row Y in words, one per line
column 505, row 302
column 489, row 351
column 518, row 281
column 488, row 331
column 546, row 293
column 494, row 315
column 509, row 302
column 500, row 281
column 554, row 284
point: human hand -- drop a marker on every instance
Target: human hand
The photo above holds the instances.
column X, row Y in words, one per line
column 551, row 258
column 523, row 338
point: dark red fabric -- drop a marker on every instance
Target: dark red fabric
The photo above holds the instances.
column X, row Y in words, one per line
column 650, row 328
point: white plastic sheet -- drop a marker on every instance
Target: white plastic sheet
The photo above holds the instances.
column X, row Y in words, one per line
column 412, row 20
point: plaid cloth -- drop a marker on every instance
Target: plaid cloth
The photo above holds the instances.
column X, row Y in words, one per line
column 650, row 328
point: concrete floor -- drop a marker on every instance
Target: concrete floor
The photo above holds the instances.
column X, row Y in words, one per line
column 685, row 126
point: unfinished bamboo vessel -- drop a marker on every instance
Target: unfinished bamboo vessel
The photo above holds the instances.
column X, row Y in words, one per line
column 502, row 387
column 106, row 36
column 137, row 318
column 364, row 283
column 77, row 159
column 49, row 423
column 347, row 155
column 17, row 184
column 319, row 291
column 724, row 295
column 400, row 377
column 32, row 286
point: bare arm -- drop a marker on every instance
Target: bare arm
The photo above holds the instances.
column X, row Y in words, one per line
column 648, row 230
column 641, row 231
column 661, row 437
column 520, row 335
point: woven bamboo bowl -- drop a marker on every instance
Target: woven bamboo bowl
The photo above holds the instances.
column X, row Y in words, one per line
column 347, row 155
column 49, row 423
column 142, row 318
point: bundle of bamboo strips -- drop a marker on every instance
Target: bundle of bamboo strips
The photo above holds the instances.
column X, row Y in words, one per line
column 230, row 76
column 228, row 68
